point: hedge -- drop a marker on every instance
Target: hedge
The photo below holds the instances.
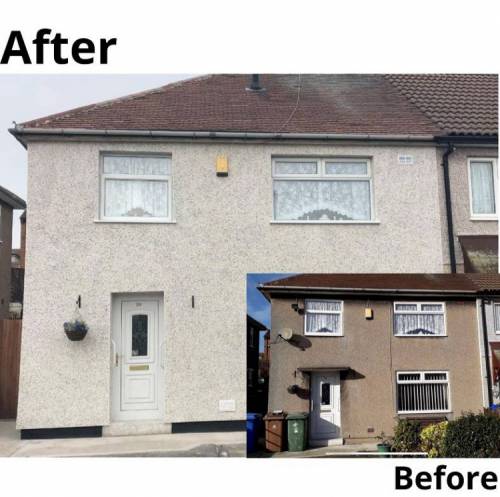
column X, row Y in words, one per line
column 432, row 439
column 407, row 436
column 473, row 435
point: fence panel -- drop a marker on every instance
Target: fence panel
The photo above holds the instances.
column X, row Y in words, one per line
column 10, row 355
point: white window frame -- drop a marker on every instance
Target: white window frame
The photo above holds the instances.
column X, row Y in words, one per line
column 322, row 176
column 340, row 312
column 419, row 311
column 483, row 217
column 496, row 312
column 423, row 381
column 130, row 177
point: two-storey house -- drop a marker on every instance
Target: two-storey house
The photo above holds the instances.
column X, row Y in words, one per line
column 359, row 351
column 8, row 203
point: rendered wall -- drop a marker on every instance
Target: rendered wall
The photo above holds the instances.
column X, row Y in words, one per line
column 223, row 230
column 368, row 347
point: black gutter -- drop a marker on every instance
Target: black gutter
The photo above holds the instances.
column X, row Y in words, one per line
column 449, row 214
column 486, row 351
column 468, row 139
column 273, row 292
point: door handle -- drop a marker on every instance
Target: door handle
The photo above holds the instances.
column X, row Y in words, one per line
column 114, row 353
column 162, row 355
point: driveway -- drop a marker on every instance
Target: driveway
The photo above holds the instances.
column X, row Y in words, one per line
column 221, row 444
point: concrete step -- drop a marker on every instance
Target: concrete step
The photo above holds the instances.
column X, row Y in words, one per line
column 136, row 428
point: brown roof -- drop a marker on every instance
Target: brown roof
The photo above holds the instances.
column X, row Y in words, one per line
column 426, row 282
column 326, row 104
column 459, row 104
column 11, row 199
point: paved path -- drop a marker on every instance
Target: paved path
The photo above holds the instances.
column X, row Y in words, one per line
column 331, row 451
column 222, row 444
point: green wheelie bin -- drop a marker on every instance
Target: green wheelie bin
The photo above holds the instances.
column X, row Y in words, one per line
column 297, row 431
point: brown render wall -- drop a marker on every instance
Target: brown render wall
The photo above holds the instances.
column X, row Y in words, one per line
column 5, row 255
column 367, row 393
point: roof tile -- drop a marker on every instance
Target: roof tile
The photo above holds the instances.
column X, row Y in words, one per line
column 309, row 103
column 392, row 281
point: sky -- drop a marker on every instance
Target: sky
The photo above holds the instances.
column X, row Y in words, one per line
column 26, row 97
column 257, row 305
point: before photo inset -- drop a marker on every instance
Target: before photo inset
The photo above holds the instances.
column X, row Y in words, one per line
column 356, row 365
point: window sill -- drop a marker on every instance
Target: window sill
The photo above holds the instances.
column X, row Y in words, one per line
column 324, row 222
column 420, row 336
column 429, row 413
column 484, row 218
column 131, row 221
column 328, row 335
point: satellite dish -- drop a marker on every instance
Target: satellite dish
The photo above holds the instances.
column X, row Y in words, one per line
column 286, row 333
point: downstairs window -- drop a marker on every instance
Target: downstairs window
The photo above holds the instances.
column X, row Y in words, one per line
column 421, row 392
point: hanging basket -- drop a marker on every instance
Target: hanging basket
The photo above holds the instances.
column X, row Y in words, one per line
column 76, row 330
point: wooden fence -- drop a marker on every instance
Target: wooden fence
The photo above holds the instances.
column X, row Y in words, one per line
column 10, row 354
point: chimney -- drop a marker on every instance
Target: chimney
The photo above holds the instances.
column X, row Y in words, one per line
column 255, row 83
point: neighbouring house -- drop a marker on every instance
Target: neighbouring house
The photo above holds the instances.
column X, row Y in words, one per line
column 359, row 351
column 17, row 273
column 150, row 209
column 264, row 362
column 465, row 106
column 256, row 393
column 8, row 203
column 265, row 357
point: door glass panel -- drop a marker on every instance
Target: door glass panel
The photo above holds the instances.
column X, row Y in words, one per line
column 325, row 394
column 139, row 335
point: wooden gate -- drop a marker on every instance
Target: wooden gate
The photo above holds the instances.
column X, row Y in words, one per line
column 10, row 354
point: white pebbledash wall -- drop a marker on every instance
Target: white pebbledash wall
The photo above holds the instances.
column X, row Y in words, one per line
column 223, row 230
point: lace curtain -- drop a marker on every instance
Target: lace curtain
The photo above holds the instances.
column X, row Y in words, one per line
column 122, row 164
column 316, row 322
column 322, row 200
column 419, row 324
column 496, row 312
column 136, row 198
column 483, row 192
column 127, row 195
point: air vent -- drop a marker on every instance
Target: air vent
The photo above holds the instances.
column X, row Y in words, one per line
column 405, row 160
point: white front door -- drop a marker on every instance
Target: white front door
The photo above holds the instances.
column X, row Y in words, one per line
column 138, row 360
column 325, row 406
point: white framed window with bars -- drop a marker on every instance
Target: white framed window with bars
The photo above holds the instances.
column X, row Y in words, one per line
column 314, row 190
column 323, row 317
column 423, row 392
column 496, row 317
column 419, row 319
column 136, row 188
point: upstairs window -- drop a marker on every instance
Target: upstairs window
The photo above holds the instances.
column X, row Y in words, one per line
column 419, row 319
column 322, row 190
column 496, row 315
column 136, row 188
column 323, row 318
column 422, row 392
column 483, row 188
